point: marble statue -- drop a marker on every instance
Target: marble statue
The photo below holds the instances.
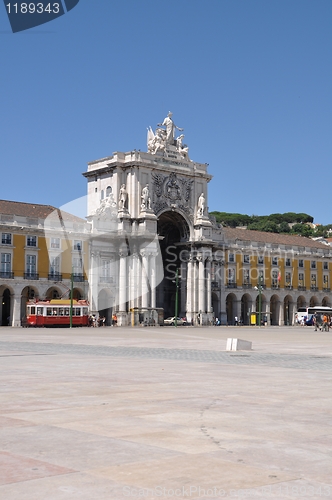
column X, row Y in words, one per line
column 182, row 148
column 170, row 128
column 157, row 141
column 146, row 200
column 123, row 197
column 201, row 205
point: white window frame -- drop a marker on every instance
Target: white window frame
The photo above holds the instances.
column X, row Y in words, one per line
column 5, row 242
column 32, row 238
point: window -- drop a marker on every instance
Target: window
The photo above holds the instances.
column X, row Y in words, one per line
column 31, row 241
column 6, row 239
column 31, row 264
column 102, row 194
column 325, row 266
column 260, row 259
column 325, row 281
column 301, row 264
column 301, row 279
column 108, row 191
column 231, row 257
column 261, row 277
column 313, row 264
column 313, row 280
column 246, row 277
column 54, row 265
column 246, row 259
column 55, row 242
column 275, row 275
column 6, row 265
column 78, row 245
column 288, row 262
column 274, row 261
column 231, row 275
column 77, row 266
column 288, row 279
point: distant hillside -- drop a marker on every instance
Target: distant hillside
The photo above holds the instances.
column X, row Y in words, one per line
column 289, row 222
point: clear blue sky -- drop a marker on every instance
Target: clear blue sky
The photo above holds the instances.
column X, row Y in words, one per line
column 249, row 80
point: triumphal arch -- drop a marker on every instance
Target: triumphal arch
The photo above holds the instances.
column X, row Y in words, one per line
column 153, row 248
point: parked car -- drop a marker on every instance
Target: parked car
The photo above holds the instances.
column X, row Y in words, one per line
column 171, row 321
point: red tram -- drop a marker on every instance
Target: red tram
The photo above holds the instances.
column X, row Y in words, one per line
column 56, row 312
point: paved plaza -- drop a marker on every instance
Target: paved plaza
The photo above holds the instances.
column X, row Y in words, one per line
column 115, row 413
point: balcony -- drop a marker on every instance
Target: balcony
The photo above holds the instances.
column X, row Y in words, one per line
column 31, row 276
column 301, row 288
column 314, row 289
column 231, row 285
column 288, row 287
column 275, row 286
column 326, row 289
column 246, row 285
column 55, row 277
column 215, row 285
column 105, row 279
column 7, row 275
column 78, row 278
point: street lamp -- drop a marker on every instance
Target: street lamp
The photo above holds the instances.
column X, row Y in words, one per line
column 259, row 287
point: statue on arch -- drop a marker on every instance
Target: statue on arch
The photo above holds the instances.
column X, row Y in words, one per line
column 146, row 200
column 182, row 148
column 201, row 205
column 170, row 128
column 123, row 198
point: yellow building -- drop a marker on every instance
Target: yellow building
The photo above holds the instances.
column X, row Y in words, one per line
column 284, row 271
column 41, row 250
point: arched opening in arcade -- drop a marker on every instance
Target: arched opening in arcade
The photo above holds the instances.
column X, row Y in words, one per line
column 246, row 305
column 231, row 308
column 216, row 306
column 313, row 302
column 54, row 293
column 6, row 306
column 274, row 310
column 326, row 302
column 300, row 303
column 288, row 310
column 174, row 232
column 105, row 305
column 28, row 293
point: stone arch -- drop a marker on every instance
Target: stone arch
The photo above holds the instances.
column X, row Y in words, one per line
column 54, row 292
column 28, row 293
column 6, row 294
column 78, row 293
column 246, row 307
column 174, row 228
column 216, row 305
column 301, row 302
column 106, row 304
column 313, row 301
column 326, row 302
column 230, row 308
column 274, row 310
column 288, row 310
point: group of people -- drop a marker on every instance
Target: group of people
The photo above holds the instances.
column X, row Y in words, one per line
column 94, row 321
column 321, row 322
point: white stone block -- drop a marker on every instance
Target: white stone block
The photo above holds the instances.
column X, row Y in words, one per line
column 238, row 345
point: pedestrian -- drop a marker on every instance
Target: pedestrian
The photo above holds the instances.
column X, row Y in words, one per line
column 236, row 321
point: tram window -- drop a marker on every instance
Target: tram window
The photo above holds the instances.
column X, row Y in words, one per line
column 66, row 311
column 39, row 311
column 77, row 311
column 33, row 310
column 55, row 312
column 61, row 311
column 28, row 310
column 85, row 311
column 48, row 311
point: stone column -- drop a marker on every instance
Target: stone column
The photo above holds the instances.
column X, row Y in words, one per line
column 267, row 312
column 201, row 288
column 190, row 284
column 208, row 285
column 237, row 310
column 281, row 319
column 93, row 281
column 145, row 276
column 122, row 313
column 16, row 310
column 183, row 288
column 153, row 279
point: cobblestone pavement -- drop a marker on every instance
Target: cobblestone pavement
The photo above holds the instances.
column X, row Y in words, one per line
column 295, row 361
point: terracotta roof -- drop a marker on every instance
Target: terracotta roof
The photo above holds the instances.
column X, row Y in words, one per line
column 22, row 209
column 276, row 238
